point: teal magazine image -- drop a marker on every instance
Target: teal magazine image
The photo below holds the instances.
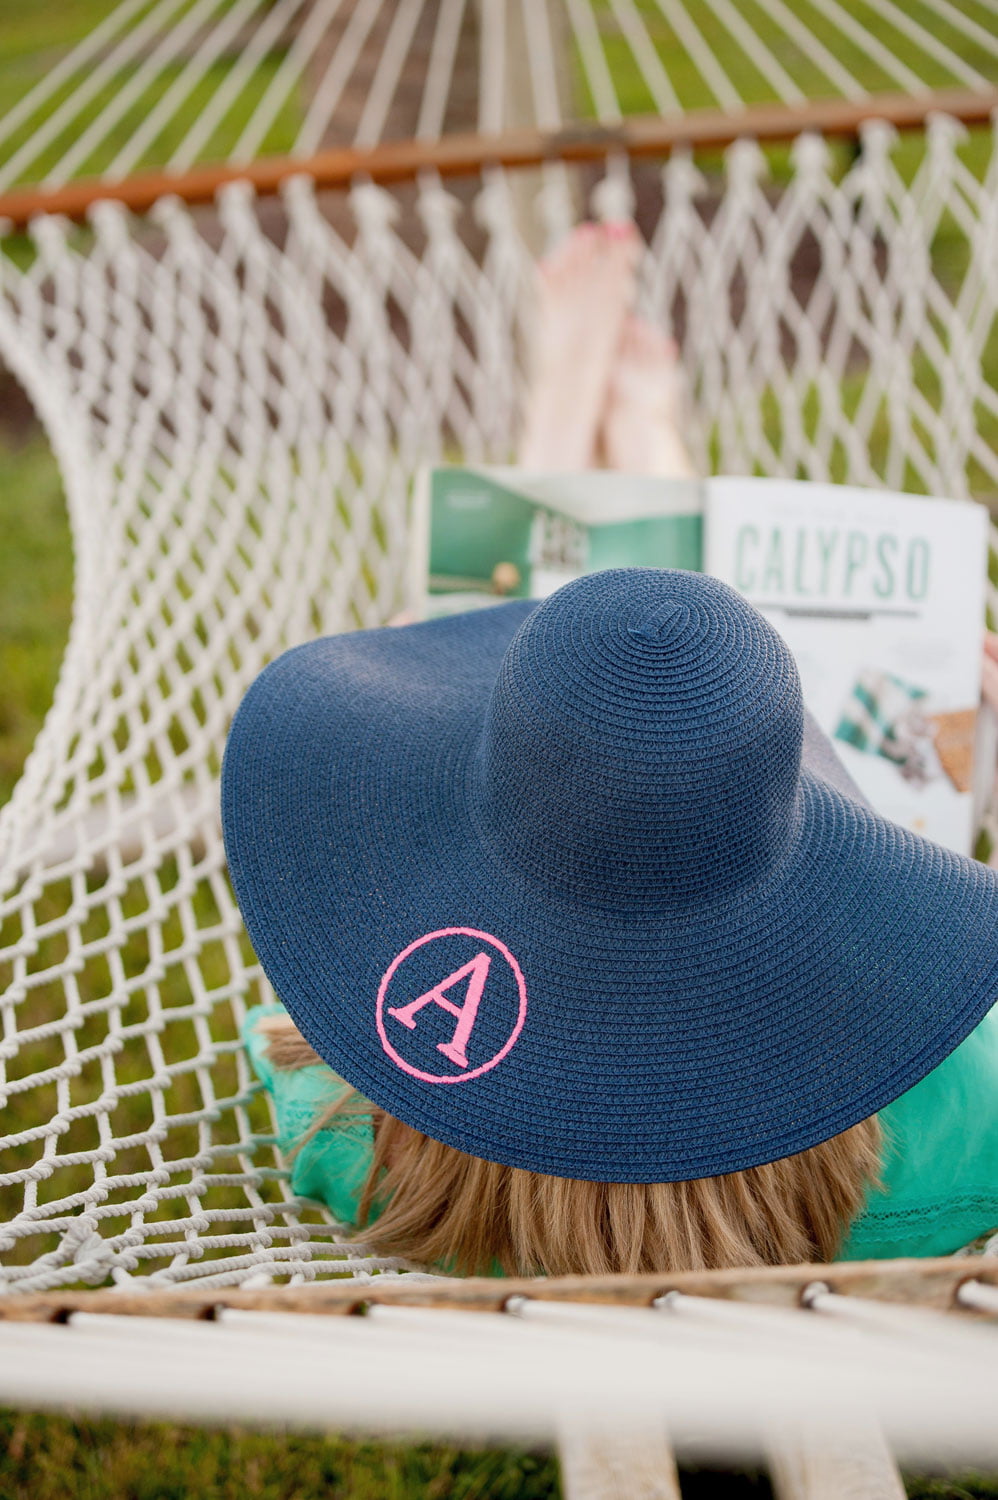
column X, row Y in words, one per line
column 488, row 534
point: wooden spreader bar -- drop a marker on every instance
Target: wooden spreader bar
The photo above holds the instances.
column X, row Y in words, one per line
column 464, row 155
column 924, row 1283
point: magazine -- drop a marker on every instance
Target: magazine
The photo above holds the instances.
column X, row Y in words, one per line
column 880, row 597
column 490, row 534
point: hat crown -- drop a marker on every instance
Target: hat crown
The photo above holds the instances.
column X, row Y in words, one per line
column 643, row 741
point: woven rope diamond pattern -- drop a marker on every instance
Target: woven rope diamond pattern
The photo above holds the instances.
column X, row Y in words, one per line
column 240, row 401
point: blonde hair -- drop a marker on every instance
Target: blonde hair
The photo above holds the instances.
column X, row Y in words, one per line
column 437, row 1205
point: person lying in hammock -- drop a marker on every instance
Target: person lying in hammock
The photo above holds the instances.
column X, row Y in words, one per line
column 594, row 959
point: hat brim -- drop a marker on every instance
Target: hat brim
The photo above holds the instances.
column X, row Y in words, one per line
column 656, row 1046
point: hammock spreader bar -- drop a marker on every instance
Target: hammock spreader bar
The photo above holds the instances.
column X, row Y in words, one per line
column 464, row 155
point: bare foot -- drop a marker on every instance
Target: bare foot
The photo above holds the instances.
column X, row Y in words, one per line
column 645, row 415
column 586, row 288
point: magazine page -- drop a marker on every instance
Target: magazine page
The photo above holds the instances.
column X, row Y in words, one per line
column 486, row 534
column 881, row 598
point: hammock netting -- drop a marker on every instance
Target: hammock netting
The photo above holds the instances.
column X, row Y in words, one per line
column 240, row 399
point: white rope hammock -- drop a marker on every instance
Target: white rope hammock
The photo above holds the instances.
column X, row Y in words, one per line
column 189, row 80
column 825, row 1388
column 238, row 422
column 239, row 400
column 239, row 397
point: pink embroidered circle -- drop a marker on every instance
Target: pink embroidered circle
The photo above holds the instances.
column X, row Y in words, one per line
column 474, row 976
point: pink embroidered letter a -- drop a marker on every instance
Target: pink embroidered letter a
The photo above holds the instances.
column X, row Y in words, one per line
column 478, row 970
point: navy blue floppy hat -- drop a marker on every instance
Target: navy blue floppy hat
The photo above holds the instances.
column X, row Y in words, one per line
column 568, row 886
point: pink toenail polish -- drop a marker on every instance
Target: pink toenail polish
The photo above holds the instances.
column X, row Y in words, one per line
column 620, row 229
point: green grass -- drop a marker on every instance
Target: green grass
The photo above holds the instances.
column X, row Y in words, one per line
column 45, row 1457
column 48, row 1458
column 36, row 586
column 749, row 79
column 693, row 91
column 33, row 39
